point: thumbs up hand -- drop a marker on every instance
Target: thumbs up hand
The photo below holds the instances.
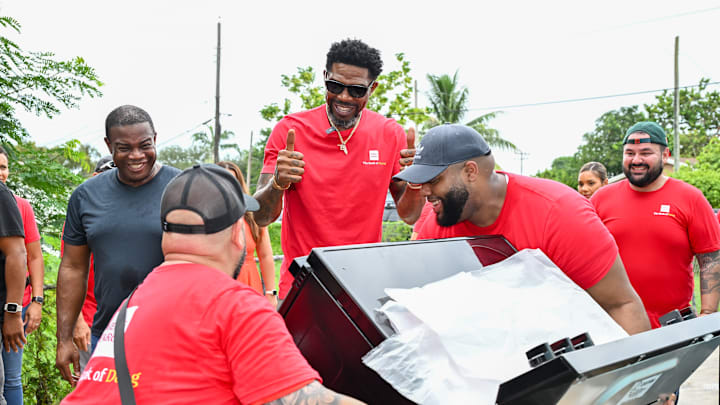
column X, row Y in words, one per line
column 289, row 167
column 406, row 155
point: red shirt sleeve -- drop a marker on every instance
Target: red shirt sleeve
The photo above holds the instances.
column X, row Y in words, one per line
column 28, row 216
column 578, row 242
column 703, row 227
column 263, row 357
column 400, row 141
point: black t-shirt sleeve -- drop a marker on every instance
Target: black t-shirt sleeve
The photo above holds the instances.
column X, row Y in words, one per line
column 73, row 232
column 10, row 220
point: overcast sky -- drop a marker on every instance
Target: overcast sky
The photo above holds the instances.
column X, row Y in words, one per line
column 160, row 55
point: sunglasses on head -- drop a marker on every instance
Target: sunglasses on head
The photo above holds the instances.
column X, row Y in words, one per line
column 355, row 90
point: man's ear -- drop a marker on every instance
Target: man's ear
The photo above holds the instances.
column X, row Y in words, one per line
column 238, row 233
column 470, row 170
column 373, row 87
column 109, row 145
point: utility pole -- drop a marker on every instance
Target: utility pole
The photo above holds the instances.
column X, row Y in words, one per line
column 415, row 115
column 216, row 140
column 523, row 156
column 676, row 157
column 250, row 149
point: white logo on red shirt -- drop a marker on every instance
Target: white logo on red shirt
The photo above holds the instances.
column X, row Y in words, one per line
column 374, row 155
column 664, row 211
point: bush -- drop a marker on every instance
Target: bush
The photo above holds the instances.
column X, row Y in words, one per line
column 274, row 231
column 708, row 181
column 42, row 383
column 396, row 231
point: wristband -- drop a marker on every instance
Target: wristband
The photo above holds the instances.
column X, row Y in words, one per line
column 271, row 292
column 277, row 186
column 39, row 299
column 414, row 187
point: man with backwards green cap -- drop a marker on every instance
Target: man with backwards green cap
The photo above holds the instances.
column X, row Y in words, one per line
column 659, row 224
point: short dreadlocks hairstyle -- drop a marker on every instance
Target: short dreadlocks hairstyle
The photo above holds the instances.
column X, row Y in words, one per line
column 356, row 53
column 126, row 115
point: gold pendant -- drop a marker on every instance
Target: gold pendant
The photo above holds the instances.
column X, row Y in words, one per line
column 343, row 147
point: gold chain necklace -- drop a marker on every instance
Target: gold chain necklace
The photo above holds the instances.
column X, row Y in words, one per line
column 342, row 145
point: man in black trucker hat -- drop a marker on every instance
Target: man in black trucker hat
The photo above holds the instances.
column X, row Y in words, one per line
column 469, row 197
column 194, row 334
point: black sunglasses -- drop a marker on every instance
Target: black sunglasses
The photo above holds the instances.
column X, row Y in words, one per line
column 355, row 90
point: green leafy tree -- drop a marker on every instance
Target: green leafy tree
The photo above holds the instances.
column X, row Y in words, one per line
column 706, row 173
column 37, row 83
column 699, row 119
column 85, row 165
column 204, row 141
column 201, row 150
column 39, row 175
column 604, row 143
column 449, row 105
column 564, row 169
column 182, row 158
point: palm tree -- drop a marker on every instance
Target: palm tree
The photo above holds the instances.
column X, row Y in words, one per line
column 449, row 104
column 448, row 98
column 204, row 141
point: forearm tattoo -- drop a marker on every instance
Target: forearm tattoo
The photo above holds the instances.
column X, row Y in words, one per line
column 709, row 272
column 313, row 393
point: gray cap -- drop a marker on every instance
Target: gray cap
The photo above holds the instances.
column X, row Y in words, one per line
column 104, row 163
column 211, row 192
column 441, row 147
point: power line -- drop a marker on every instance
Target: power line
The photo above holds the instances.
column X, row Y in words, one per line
column 187, row 131
column 570, row 100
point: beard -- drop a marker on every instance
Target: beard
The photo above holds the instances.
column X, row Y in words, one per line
column 340, row 123
column 453, row 204
column 651, row 174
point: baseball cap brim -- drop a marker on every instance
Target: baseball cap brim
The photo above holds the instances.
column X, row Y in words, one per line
column 419, row 174
column 251, row 204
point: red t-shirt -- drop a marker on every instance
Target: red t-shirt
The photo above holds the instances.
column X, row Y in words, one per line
column 658, row 234
column 187, row 346
column 31, row 235
column 546, row 215
column 89, row 305
column 341, row 197
column 427, row 212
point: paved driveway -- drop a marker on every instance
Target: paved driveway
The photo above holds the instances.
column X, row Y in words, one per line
column 702, row 386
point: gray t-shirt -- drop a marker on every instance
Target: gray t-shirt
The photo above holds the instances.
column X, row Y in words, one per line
column 121, row 226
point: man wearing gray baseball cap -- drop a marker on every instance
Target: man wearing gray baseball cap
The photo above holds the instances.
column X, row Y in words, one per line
column 192, row 333
column 456, row 169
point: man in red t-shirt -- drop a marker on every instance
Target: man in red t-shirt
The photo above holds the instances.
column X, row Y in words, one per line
column 333, row 164
column 192, row 333
column 659, row 224
column 457, row 172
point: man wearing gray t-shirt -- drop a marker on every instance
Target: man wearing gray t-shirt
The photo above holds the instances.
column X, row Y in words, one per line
column 114, row 217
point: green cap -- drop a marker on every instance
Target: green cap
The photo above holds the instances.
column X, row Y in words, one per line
column 657, row 134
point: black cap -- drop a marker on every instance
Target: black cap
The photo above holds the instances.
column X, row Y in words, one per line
column 211, row 192
column 441, row 147
column 104, row 163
